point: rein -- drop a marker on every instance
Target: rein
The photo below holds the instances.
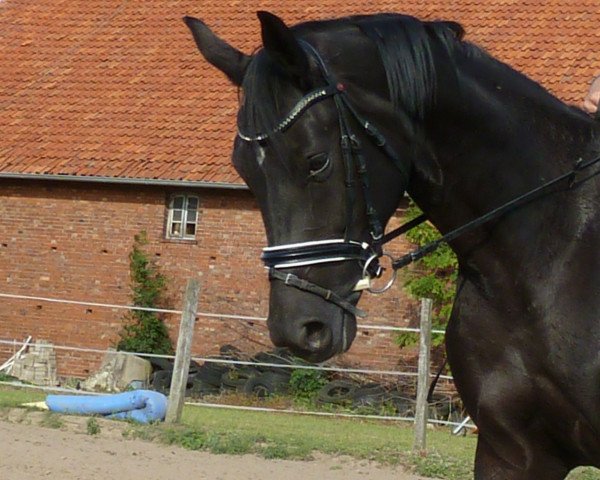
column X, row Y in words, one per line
column 491, row 215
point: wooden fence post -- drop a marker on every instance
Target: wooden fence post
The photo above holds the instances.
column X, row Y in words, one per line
column 422, row 408
column 183, row 355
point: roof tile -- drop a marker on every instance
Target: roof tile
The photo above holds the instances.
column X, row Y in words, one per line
column 117, row 89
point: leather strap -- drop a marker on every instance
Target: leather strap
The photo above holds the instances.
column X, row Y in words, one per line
column 306, row 286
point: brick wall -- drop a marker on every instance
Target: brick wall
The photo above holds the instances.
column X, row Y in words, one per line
column 72, row 241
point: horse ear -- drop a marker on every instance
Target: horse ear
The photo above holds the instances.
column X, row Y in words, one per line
column 282, row 46
column 457, row 28
column 454, row 28
column 217, row 52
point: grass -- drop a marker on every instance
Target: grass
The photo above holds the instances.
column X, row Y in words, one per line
column 12, row 397
column 284, row 436
column 52, row 420
column 273, row 435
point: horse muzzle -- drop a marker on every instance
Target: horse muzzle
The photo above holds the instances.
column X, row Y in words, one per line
column 316, row 322
column 315, row 337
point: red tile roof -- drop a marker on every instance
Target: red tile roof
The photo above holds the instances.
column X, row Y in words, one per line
column 115, row 88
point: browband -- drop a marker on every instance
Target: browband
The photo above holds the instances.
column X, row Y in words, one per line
column 297, row 110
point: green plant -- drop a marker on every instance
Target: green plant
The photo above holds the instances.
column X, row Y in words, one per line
column 188, row 438
column 436, row 465
column 434, row 276
column 92, row 426
column 145, row 332
column 51, row 420
column 304, row 383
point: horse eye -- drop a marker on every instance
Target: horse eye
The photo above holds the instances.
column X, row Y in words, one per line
column 318, row 165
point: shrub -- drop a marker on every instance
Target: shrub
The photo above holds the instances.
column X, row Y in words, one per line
column 145, row 332
column 305, row 384
column 434, row 276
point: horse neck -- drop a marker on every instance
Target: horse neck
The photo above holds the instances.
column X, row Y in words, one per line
column 493, row 142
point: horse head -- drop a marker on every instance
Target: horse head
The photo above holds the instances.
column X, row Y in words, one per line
column 316, row 125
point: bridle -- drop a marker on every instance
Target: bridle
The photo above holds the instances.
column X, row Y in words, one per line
column 367, row 254
column 282, row 257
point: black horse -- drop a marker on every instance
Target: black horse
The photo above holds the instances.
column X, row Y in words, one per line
column 463, row 133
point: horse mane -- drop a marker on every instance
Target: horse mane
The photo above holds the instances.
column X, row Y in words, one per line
column 406, row 47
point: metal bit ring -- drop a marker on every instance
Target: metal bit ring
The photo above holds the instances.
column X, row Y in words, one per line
column 388, row 285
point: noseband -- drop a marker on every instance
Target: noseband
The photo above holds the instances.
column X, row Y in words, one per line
column 281, row 257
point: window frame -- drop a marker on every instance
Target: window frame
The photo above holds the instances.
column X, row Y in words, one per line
column 184, row 220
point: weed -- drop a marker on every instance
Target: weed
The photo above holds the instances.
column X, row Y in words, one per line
column 92, row 426
column 436, row 465
column 51, row 420
column 231, row 443
column 285, row 452
column 192, row 440
column 145, row 331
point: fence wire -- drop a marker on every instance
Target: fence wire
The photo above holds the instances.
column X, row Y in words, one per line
column 226, row 316
column 73, row 391
column 227, row 361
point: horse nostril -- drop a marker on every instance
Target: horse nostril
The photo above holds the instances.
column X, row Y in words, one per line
column 317, row 335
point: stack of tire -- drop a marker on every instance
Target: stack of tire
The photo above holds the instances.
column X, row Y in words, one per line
column 214, row 377
column 162, row 373
column 261, row 380
column 365, row 398
column 374, row 398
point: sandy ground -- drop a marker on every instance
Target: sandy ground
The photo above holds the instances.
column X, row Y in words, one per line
column 31, row 452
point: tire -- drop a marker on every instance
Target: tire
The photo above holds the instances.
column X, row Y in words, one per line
column 194, row 367
column 371, row 396
column 200, row 390
column 405, row 407
column 266, row 384
column 440, row 408
column 337, row 392
column 236, row 379
column 161, row 381
column 279, row 356
column 159, row 363
column 210, row 373
column 230, row 352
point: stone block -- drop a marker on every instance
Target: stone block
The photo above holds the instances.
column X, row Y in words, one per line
column 118, row 370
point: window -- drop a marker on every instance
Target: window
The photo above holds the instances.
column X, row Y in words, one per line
column 183, row 217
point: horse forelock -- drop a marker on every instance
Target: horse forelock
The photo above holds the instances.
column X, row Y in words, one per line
column 263, row 84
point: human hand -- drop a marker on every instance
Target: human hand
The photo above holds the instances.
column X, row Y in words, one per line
column 590, row 104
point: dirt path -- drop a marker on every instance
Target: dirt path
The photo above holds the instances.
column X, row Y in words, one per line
column 31, row 452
